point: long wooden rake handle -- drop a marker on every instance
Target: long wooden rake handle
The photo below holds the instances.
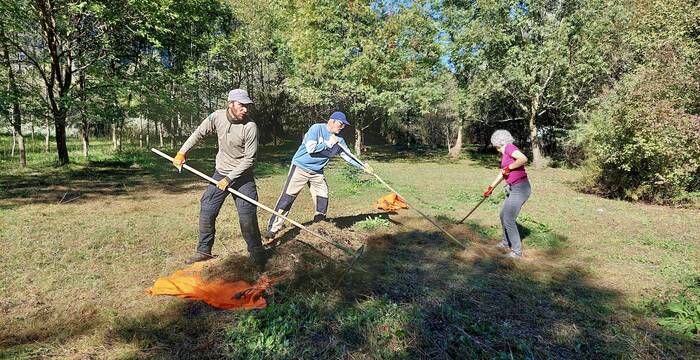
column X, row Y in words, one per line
column 276, row 213
column 477, row 205
column 347, row 151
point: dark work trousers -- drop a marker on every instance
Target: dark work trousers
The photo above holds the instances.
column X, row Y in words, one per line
column 211, row 203
column 517, row 196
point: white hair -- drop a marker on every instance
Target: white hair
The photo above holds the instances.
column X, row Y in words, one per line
column 501, row 138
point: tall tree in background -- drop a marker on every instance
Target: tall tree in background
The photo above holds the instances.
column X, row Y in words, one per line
column 367, row 59
column 544, row 59
column 67, row 27
column 13, row 95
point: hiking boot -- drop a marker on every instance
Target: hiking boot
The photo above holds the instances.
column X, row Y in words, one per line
column 258, row 257
column 514, row 256
column 199, row 256
column 270, row 235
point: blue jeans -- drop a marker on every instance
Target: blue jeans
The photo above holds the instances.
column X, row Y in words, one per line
column 211, row 203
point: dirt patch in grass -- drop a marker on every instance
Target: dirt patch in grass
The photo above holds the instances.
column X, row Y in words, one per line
column 294, row 250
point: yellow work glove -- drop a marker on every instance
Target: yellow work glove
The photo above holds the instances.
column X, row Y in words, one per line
column 179, row 160
column 223, row 184
column 368, row 169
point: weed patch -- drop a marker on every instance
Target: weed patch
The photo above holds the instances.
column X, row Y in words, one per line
column 294, row 328
column 682, row 314
column 371, row 223
column 354, row 183
column 539, row 234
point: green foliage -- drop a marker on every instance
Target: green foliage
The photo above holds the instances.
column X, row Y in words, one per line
column 535, row 63
column 286, row 330
column 354, row 182
column 539, row 234
column 371, row 223
column 267, row 333
column 682, row 315
column 641, row 139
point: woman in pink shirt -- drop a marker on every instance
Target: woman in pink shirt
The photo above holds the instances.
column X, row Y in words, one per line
column 517, row 189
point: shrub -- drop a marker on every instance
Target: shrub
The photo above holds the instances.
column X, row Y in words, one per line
column 642, row 139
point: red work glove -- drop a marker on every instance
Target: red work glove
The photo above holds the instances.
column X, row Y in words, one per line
column 488, row 191
column 505, row 171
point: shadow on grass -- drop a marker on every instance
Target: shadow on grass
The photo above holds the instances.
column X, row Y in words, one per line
column 21, row 338
column 119, row 174
column 421, row 154
column 420, row 298
column 402, row 153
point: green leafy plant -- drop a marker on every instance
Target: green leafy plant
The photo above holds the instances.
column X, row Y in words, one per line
column 371, row 223
column 541, row 235
column 682, row 315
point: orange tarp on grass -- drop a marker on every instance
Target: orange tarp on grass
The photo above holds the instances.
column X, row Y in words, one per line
column 188, row 284
column 391, row 202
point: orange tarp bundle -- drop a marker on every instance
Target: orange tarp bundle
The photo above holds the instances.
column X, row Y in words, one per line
column 391, row 202
column 188, row 284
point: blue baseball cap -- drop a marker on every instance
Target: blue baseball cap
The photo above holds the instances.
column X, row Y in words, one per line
column 339, row 116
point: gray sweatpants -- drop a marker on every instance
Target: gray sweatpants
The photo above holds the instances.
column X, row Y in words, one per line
column 515, row 198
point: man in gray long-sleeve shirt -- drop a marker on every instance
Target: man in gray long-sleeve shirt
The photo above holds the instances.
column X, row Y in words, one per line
column 238, row 144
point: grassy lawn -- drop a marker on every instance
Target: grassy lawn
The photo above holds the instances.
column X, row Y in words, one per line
column 595, row 280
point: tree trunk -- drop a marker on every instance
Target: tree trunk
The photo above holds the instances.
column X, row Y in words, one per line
column 14, row 142
column 17, row 134
column 537, row 158
column 161, row 133
column 114, row 136
column 48, row 135
column 148, row 132
column 140, row 131
column 31, row 122
column 447, row 139
column 21, row 146
column 358, row 140
column 456, row 150
column 16, row 114
column 85, row 124
column 120, row 131
column 86, row 140
column 173, row 124
column 61, row 146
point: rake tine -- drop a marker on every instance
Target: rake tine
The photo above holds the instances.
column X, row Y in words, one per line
column 357, row 255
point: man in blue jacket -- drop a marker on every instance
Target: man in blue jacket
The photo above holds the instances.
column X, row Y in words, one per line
column 320, row 144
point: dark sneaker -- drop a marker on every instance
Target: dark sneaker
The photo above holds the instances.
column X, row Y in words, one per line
column 258, row 257
column 199, row 256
